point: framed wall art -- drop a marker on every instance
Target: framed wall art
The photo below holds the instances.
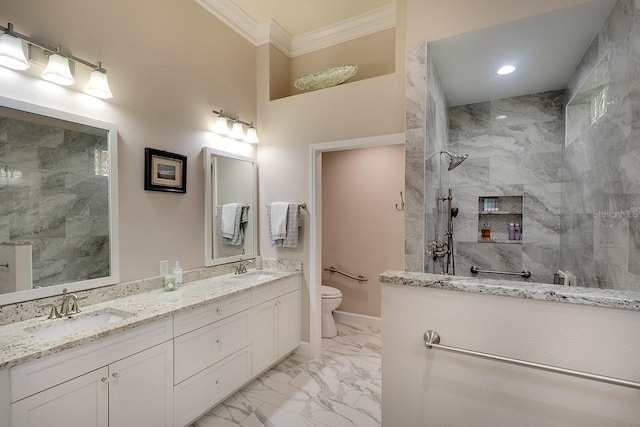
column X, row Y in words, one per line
column 164, row 171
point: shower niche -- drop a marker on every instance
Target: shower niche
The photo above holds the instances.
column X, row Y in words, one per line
column 500, row 219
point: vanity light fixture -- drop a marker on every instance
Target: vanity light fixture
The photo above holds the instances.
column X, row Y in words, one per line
column 57, row 69
column 11, row 52
column 252, row 135
column 222, row 126
column 237, row 132
column 506, row 69
column 98, row 85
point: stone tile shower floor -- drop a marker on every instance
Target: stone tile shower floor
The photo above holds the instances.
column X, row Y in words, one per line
column 340, row 388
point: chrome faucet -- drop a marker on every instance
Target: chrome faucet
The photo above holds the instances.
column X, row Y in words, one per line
column 68, row 306
column 241, row 267
column 69, row 303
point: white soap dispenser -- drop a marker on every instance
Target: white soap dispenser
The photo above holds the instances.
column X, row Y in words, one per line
column 177, row 272
column 258, row 262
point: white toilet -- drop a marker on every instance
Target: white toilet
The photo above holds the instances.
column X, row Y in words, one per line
column 331, row 299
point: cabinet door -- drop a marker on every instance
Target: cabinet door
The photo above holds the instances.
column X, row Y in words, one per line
column 288, row 323
column 263, row 321
column 141, row 388
column 80, row 402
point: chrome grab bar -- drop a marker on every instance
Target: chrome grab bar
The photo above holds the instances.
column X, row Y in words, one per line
column 523, row 273
column 432, row 340
column 5, row 264
column 360, row 277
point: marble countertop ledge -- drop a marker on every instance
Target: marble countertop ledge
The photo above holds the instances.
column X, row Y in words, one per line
column 18, row 345
column 537, row 291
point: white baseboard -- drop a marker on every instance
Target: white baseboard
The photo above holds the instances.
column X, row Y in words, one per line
column 357, row 319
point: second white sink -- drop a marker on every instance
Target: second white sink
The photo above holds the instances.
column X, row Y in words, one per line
column 255, row 276
column 58, row 328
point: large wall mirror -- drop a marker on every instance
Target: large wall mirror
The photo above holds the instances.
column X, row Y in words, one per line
column 558, row 137
column 230, row 207
column 58, row 202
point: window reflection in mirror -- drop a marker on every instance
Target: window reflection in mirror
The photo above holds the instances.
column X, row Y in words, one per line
column 56, row 179
column 230, row 200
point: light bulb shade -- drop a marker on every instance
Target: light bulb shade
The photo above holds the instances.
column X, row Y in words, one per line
column 221, row 127
column 237, row 132
column 252, row 136
column 11, row 53
column 98, row 85
column 58, row 71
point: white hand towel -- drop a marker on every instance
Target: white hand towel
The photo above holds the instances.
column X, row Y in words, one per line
column 228, row 222
column 279, row 220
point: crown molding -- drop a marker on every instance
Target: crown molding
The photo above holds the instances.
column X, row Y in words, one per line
column 271, row 32
column 234, row 17
column 371, row 22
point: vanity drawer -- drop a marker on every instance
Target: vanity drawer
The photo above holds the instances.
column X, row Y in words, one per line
column 187, row 321
column 38, row 375
column 205, row 346
column 274, row 290
column 195, row 396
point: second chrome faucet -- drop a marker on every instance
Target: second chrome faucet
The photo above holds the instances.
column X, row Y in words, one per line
column 241, row 267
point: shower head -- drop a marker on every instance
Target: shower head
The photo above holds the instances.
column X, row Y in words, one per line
column 456, row 159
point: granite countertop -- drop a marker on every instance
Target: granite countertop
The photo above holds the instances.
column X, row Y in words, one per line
column 537, row 291
column 18, row 345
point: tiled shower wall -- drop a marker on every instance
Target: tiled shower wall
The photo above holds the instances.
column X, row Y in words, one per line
column 515, row 149
column 415, row 130
column 426, row 135
column 52, row 195
column 517, row 155
column 601, row 181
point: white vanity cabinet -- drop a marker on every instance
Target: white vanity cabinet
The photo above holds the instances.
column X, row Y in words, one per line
column 166, row 373
column 274, row 323
column 123, row 380
column 212, row 355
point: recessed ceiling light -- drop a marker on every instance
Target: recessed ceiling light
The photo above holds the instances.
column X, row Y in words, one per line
column 501, row 116
column 507, row 69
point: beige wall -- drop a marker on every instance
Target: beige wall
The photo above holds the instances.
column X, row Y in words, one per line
column 362, row 232
column 279, row 74
column 169, row 65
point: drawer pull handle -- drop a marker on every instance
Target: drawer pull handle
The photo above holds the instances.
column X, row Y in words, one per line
column 219, row 383
column 218, row 310
column 104, row 379
column 219, row 340
column 114, row 375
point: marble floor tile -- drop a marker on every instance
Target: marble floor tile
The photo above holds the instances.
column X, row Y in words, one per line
column 341, row 388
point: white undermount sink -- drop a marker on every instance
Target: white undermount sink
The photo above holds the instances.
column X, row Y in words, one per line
column 57, row 328
column 255, row 276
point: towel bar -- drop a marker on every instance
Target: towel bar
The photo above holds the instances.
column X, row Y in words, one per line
column 303, row 205
column 432, row 340
column 360, row 277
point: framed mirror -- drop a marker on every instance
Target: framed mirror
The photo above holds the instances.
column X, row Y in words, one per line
column 230, row 207
column 58, row 202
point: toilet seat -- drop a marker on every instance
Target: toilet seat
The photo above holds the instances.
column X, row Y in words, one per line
column 328, row 292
